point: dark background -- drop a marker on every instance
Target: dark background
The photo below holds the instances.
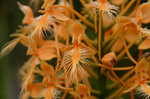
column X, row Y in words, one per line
column 10, row 19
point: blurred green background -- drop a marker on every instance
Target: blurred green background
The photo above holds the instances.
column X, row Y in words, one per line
column 10, row 19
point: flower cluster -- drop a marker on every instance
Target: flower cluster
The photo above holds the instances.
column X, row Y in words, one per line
column 72, row 48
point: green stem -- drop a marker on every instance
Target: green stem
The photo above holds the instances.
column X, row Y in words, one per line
column 99, row 42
